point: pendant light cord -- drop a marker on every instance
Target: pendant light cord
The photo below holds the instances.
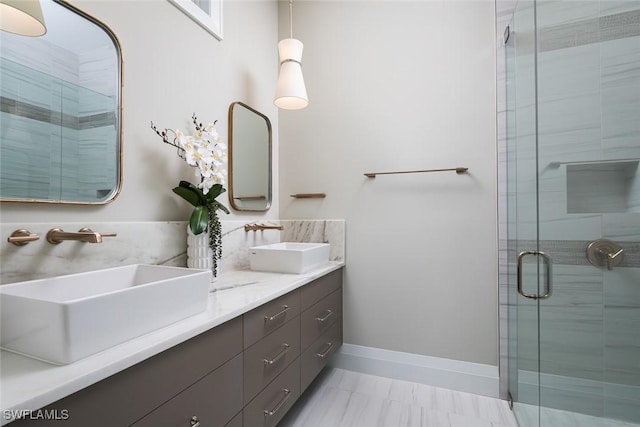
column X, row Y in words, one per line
column 290, row 19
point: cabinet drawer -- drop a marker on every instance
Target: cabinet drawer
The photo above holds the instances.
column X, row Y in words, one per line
column 130, row 394
column 320, row 288
column 273, row 402
column 213, row 401
column 318, row 318
column 317, row 355
column 270, row 316
column 236, row 421
column 264, row 360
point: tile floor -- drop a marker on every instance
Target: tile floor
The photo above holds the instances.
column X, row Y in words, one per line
column 528, row 415
column 340, row 398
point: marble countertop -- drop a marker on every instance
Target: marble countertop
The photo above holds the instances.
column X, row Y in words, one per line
column 29, row 384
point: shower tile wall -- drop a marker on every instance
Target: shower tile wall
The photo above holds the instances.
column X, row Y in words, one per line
column 83, row 124
column 91, row 72
column 38, row 54
column 589, row 147
column 593, row 116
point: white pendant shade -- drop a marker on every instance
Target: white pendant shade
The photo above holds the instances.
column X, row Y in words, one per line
column 291, row 93
column 23, row 17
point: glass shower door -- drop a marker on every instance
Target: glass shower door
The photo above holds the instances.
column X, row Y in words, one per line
column 573, row 123
column 522, row 201
column 588, row 97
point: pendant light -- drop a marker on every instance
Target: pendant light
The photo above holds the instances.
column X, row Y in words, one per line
column 291, row 93
column 22, row 17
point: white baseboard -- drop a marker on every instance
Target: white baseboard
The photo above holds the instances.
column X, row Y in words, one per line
column 452, row 374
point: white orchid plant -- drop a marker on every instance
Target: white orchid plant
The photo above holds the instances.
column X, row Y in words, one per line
column 206, row 152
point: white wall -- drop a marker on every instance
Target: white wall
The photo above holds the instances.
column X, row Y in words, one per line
column 401, row 86
column 172, row 69
column 393, row 85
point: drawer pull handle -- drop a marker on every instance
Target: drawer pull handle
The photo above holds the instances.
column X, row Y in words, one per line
column 325, row 317
column 287, row 394
column 278, row 314
column 279, row 356
column 326, row 352
column 194, row 422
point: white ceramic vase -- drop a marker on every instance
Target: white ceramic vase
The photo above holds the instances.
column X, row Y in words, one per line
column 199, row 254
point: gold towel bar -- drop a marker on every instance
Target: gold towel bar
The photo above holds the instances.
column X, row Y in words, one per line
column 250, row 198
column 309, row 196
column 459, row 170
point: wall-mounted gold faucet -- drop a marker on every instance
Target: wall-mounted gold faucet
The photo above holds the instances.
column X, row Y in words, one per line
column 260, row 227
column 57, row 235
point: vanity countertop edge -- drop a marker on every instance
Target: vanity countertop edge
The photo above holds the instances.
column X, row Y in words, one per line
column 29, row 384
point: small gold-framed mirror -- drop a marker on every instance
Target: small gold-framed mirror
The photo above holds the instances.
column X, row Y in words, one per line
column 249, row 159
column 60, row 133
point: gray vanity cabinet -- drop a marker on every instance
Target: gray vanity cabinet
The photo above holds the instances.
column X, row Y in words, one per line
column 126, row 397
column 321, row 325
column 247, row 372
column 211, row 401
column 272, row 403
column 320, row 317
column 318, row 354
column 282, row 364
column 271, row 365
column 260, row 322
column 320, row 288
column 267, row 358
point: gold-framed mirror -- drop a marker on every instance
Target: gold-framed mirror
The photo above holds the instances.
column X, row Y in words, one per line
column 249, row 159
column 60, row 131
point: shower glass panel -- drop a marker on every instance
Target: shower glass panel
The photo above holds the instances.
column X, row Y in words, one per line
column 573, row 124
column 522, row 207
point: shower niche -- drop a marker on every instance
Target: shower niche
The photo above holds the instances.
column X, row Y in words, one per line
column 603, row 187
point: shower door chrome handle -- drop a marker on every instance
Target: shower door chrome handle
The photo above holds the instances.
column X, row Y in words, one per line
column 549, row 285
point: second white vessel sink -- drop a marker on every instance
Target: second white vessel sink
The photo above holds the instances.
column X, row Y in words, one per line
column 63, row 319
column 288, row 257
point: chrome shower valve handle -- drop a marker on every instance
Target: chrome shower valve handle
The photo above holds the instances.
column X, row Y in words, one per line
column 603, row 253
column 611, row 258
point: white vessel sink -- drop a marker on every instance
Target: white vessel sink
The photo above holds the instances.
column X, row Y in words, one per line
column 288, row 257
column 63, row 319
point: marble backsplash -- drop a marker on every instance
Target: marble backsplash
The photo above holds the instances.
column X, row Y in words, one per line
column 162, row 243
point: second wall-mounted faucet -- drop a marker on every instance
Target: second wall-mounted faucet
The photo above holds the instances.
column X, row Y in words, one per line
column 260, row 227
column 57, row 235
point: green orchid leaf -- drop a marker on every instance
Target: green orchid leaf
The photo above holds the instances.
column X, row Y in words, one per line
column 189, row 195
column 222, row 207
column 194, row 188
column 187, row 184
column 199, row 219
column 214, row 192
column 216, row 205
